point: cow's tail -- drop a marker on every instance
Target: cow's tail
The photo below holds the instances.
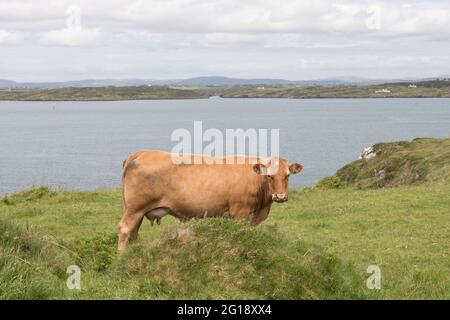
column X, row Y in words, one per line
column 125, row 165
column 124, row 171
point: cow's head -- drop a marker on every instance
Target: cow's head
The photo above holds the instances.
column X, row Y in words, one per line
column 277, row 172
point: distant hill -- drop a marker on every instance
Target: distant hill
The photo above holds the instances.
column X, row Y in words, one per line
column 225, row 81
column 196, row 81
column 205, row 81
column 434, row 83
column 7, row 84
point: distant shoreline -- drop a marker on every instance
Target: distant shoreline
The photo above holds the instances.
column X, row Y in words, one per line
column 338, row 97
column 230, row 98
column 426, row 89
column 104, row 100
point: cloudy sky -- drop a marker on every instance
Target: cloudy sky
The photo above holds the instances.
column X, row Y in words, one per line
column 57, row 40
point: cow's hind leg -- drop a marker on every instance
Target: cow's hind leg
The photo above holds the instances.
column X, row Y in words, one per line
column 134, row 233
column 260, row 216
column 129, row 227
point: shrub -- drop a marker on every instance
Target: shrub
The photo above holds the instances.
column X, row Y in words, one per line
column 96, row 253
column 31, row 194
column 332, row 182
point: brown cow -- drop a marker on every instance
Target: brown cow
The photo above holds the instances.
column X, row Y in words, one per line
column 243, row 188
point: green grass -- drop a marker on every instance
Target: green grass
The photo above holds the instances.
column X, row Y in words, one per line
column 101, row 94
column 420, row 161
column 30, row 267
column 316, row 246
column 403, row 230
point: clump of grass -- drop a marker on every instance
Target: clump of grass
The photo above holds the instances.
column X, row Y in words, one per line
column 6, row 200
column 218, row 258
column 28, row 195
column 96, row 253
column 30, row 268
column 332, row 182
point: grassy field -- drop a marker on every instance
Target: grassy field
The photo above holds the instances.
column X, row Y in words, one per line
column 318, row 245
column 102, row 94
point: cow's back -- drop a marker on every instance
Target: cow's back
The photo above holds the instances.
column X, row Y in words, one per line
column 151, row 179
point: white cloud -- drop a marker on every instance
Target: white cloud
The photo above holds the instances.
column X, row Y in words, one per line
column 178, row 38
column 397, row 18
column 10, row 37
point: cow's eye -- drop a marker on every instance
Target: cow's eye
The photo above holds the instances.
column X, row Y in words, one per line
column 270, row 177
column 287, row 177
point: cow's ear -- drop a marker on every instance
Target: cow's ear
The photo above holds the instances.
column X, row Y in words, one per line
column 295, row 168
column 259, row 168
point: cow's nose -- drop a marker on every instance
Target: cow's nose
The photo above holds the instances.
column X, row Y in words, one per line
column 280, row 196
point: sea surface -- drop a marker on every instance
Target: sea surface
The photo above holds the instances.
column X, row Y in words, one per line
column 81, row 145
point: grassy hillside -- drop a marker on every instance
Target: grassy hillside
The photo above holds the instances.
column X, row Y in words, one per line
column 317, row 245
column 398, row 163
column 101, row 93
column 396, row 90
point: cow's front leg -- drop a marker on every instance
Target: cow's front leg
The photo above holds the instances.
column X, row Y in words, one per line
column 240, row 212
column 243, row 212
column 261, row 215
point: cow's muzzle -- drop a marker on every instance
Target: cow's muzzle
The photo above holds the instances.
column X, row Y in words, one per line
column 279, row 197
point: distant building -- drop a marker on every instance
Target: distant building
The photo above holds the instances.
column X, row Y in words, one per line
column 412, row 86
column 383, row 91
column 260, row 88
